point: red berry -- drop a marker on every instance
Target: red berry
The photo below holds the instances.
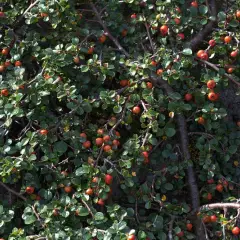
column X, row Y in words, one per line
column 43, row 131
column 227, row 39
column 177, row 20
column 194, row 4
column 209, row 196
column 133, row 16
column 5, row 51
column 101, row 202
column 108, row 179
column 189, row 227
column 213, row 218
column 181, row 35
column 4, row 92
column 2, row 14
column 131, row 237
column 234, row 53
column 29, row 190
column 212, row 96
column 211, row 84
column 212, row 42
column 219, row 187
column 164, row 30
column 180, row 234
column 188, row 97
column 236, row 231
column 210, row 181
column 136, row 110
column 18, row 63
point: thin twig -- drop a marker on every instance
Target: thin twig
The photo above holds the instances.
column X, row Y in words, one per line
column 149, row 37
column 120, row 119
column 98, row 157
column 219, row 205
column 170, row 235
column 106, row 30
column 201, row 133
column 12, row 191
column 136, row 211
column 28, row 9
column 113, row 165
column 214, row 67
column 88, row 208
column 37, row 215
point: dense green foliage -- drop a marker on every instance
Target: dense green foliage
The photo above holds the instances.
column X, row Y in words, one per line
column 95, row 90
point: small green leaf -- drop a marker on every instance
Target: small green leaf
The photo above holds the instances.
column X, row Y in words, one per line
column 203, row 9
column 187, row 51
column 170, row 132
column 117, row 109
column 84, row 68
column 168, row 186
column 29, row 219
column 99, row 216
column 221, row 16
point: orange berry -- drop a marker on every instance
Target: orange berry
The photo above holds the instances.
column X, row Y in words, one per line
column 102, row 38
column 18, row 63
column 212, row 96
column 124, row 32
column 90, row 50
column 100, row 131
column 106, row 138
column 201, row 120
column 2, row 68
column 4, row 92
column 227, row 39
column 164, row 30
column 5, row 51
column 107, row 148
column 99, row 141
column 211, row 84
column 177, row 20
column 43, row 131
column 149, row 85
column 219, row 187
column 89, row 191
column 159, row 72
column 87, row 144
column 68, row 189
column 29, row 190
column 76, row 60
column 115, row 142
column 124, row 83
column 136, row 110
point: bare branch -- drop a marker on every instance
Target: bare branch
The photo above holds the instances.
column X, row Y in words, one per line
column 88, row 208
column 214, row 67
column 150, row 39
column 219, row 205
column 201, row 133
column 108, row 33
column 194, row 43
column 120, row 119
column 12, row 191
column 170, row 235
